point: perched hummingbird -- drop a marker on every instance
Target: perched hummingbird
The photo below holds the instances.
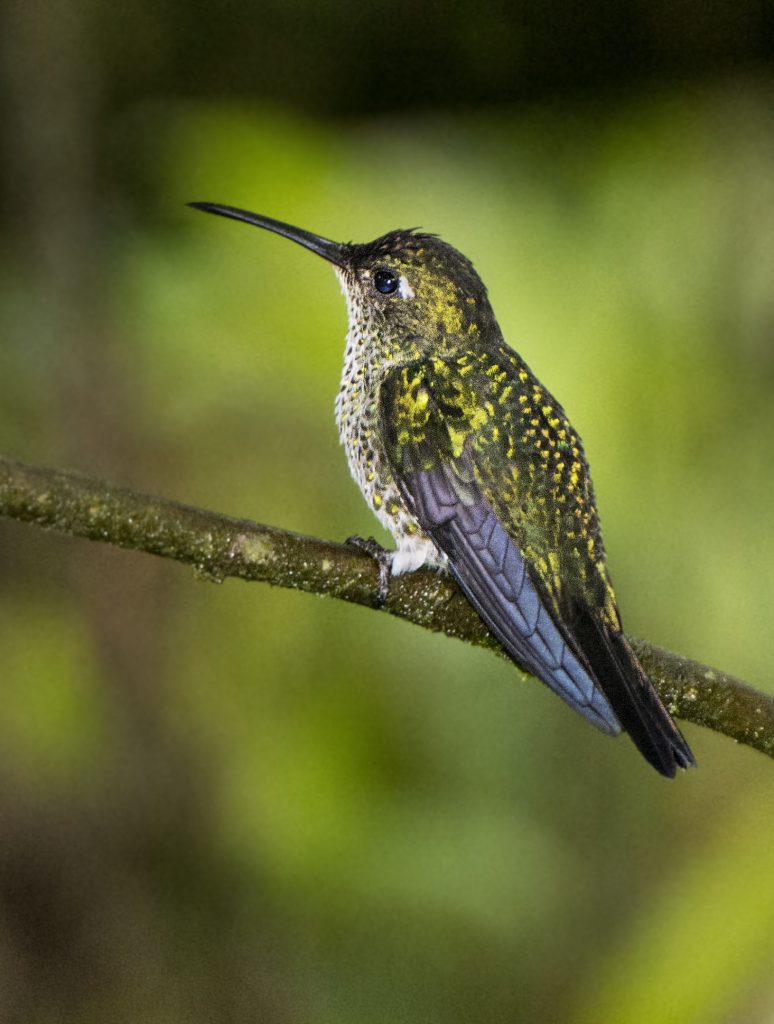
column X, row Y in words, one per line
column 474, row 468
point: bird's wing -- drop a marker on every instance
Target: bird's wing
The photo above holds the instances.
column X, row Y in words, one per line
column 431, row 440
column 495, row 475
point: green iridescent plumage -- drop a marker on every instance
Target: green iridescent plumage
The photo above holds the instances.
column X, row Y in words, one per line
column 474, row 467
column 525, row 455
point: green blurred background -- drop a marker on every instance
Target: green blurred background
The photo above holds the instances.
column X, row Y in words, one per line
column 232, row 803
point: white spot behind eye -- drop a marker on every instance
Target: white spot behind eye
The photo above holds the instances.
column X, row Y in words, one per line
column 404, row 289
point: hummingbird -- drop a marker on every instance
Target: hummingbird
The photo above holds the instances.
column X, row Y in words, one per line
column 473, row 467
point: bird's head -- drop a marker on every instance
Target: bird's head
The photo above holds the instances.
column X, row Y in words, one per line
column 406, row 288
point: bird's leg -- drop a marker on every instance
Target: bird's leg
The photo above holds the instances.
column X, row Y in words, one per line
column 383, row 559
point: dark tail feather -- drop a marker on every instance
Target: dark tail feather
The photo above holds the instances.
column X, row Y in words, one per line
column 631, row 695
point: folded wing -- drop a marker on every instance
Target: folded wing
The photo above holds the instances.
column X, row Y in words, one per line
column 430, row 437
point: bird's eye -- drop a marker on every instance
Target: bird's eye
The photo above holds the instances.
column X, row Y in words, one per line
column 385, row 281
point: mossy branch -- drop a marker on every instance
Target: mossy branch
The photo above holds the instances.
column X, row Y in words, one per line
column 218, row 546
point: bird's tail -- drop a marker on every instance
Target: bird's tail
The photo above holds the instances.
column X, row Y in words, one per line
column 631, row 694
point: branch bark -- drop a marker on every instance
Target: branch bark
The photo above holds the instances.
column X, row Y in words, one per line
column 219, row 546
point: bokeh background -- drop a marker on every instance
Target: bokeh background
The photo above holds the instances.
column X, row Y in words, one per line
column 233, row 803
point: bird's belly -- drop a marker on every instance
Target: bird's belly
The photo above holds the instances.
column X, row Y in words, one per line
column 359, row 435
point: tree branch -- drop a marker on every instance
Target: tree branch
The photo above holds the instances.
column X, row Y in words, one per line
column 218, row 546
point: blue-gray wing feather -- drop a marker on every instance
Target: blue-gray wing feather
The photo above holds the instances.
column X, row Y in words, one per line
column 494, row 576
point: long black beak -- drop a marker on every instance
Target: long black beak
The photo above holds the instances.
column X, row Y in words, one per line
column 334, row 252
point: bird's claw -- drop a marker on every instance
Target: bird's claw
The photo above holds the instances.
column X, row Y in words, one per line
column 383, row 559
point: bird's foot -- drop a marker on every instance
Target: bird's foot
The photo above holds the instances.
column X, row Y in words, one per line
column 383, row 559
